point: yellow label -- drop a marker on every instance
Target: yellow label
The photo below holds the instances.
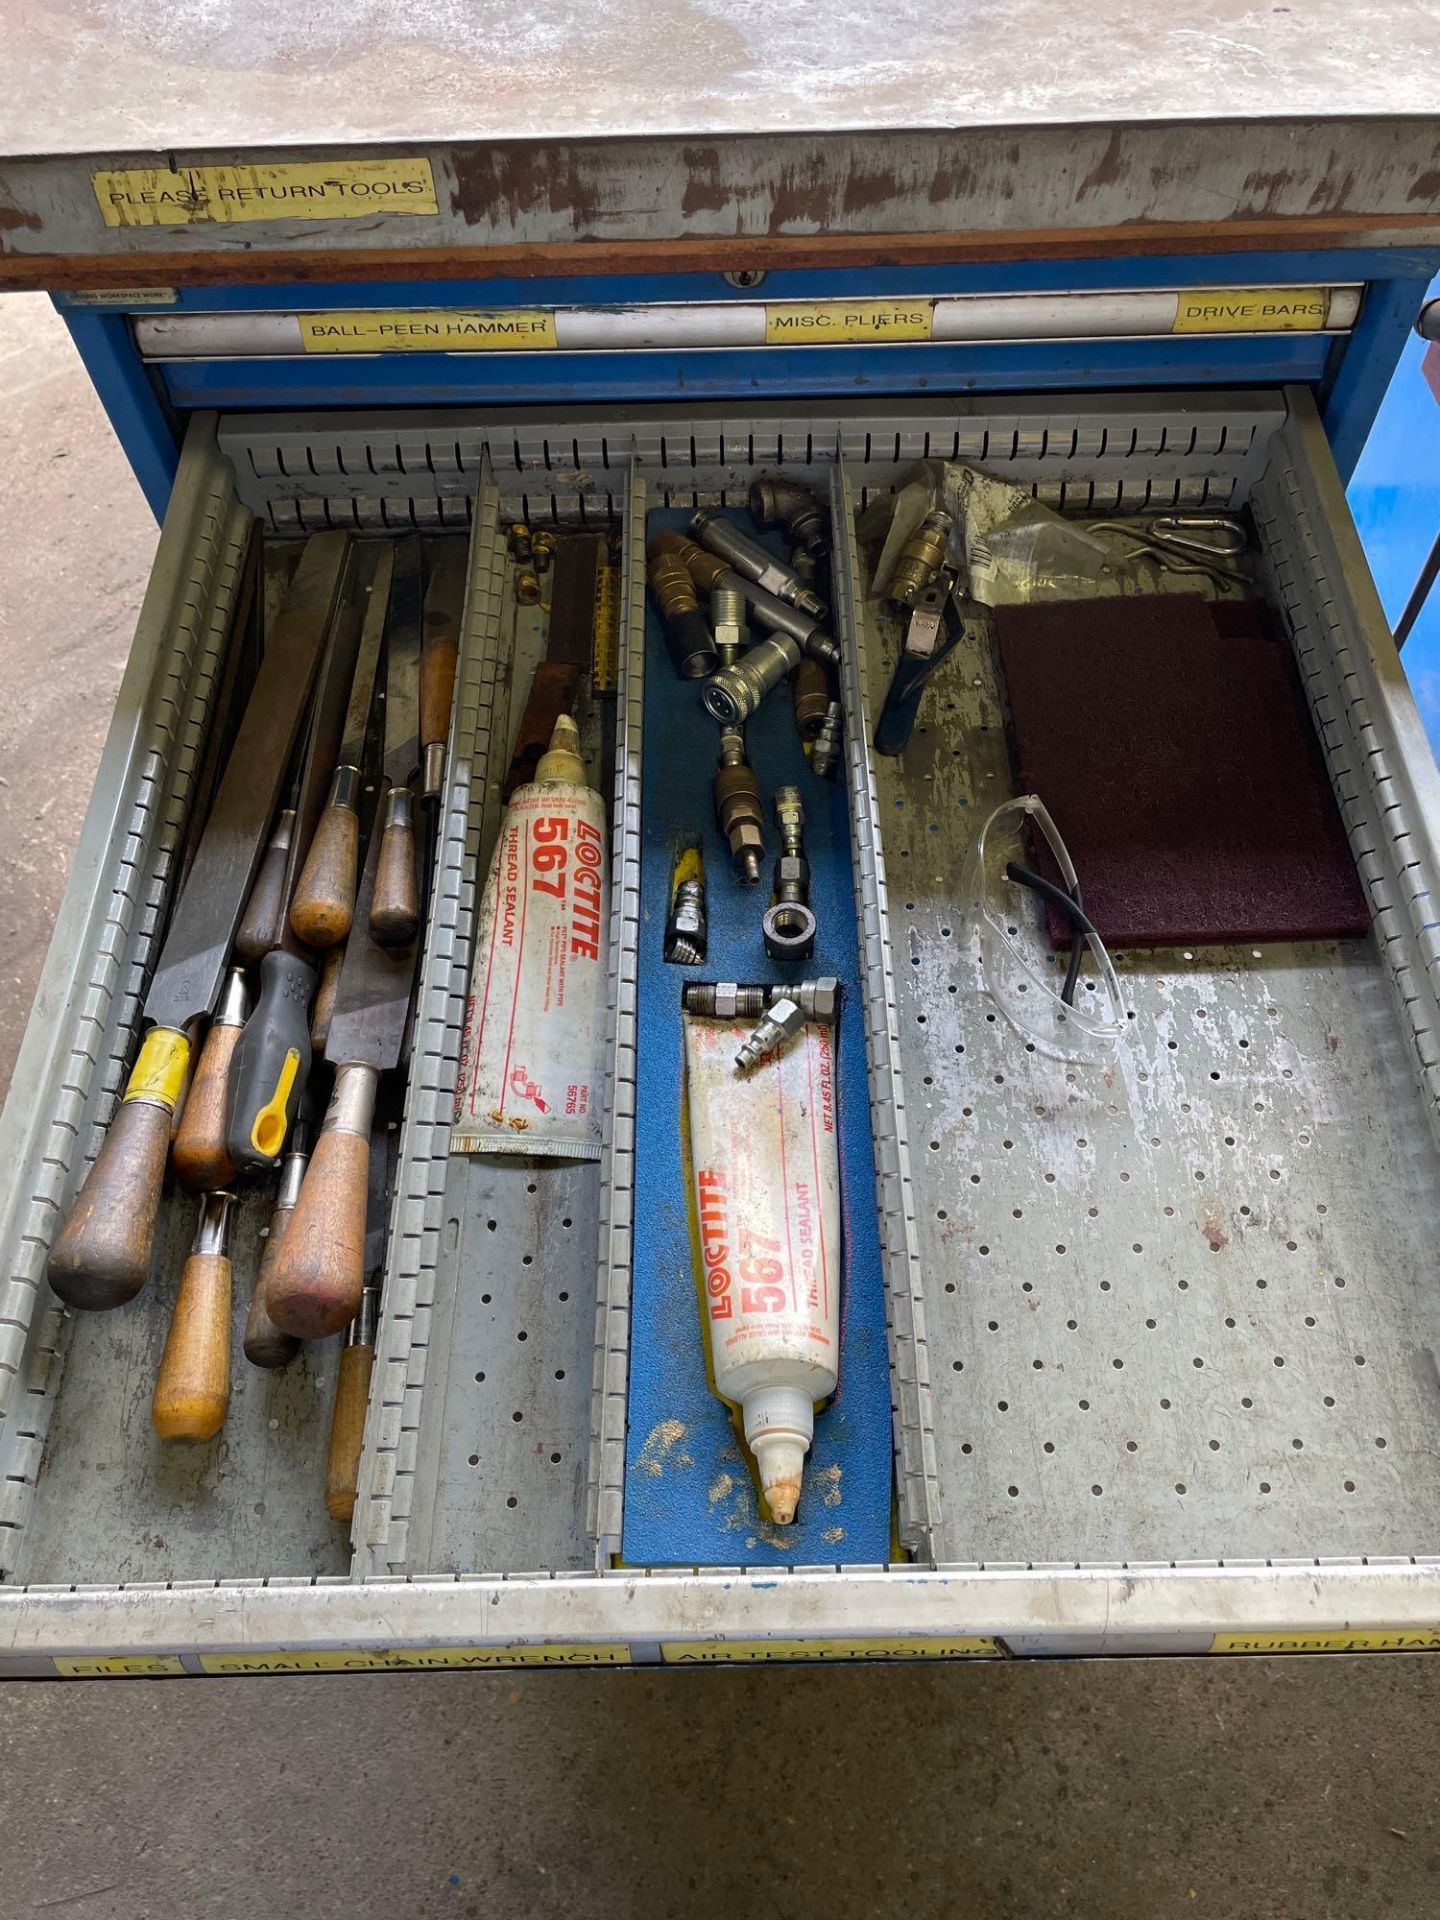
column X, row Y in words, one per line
column 287, row 190
column 1252, row 310
column 607, row 631
column 792, row 323
column 680, row 1653
column 506, row 330
column 386, row 1659
column 117, row 1666
column 159, row 1073
column 1413, row 1640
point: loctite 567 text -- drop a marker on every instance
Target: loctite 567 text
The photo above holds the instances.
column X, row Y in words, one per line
column 558, row 863
column 760, row 1270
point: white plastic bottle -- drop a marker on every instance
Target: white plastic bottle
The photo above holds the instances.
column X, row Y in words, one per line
column 767, row 1193
column 532, row 1056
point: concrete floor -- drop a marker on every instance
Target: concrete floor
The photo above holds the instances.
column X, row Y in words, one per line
column 1291, row 1789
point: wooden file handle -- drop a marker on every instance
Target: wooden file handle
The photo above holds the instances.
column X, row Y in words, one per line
column 325, row 997
column 260, row 924
column 265, row 1345
column 324, row 903
column 315, row 1285
column 198, row 1154
column 395, row 906
column 347, row 1431
column 101, row 1256
column 192, row 1388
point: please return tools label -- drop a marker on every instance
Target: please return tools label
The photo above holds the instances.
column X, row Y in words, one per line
column 281, row 190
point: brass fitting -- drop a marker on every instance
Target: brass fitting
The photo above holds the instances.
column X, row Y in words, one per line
column 707, row 570
column 687, row 635
column 738, row 812
column 527, row 588
column 542, row 545
column 519, row 543
column 921, row 558
column 810, row 691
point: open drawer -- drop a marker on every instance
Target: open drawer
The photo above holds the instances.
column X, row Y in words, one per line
column 492, row 1484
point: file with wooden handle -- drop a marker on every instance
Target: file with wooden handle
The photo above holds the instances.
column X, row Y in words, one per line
column 101, row 1256
column 198, row 1154
column 319, row 1272
column 264, row 1344
column 263, row 917
column 330, row 964
column 192, row 1388
column 324, row 901
column 395, row 906
column 357, row 1358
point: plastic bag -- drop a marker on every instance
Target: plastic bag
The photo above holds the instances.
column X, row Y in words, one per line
column 1011, row 550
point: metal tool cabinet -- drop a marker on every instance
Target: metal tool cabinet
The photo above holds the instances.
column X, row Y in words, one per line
column 1162, row 1350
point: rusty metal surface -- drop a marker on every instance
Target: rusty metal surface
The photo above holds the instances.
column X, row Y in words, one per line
column 93, row 75
column 617, row 205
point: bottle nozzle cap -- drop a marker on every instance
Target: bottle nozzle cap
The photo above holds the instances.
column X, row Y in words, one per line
column 781, row 1460
column 562, row 760
column 779, row 1425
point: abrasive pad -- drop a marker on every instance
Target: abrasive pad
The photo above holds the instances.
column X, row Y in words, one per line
column 1171, row 741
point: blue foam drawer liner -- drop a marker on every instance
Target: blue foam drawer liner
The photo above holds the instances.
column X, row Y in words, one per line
column 690, row 1494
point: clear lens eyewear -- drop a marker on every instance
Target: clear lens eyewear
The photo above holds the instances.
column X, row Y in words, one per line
column 1006, row 935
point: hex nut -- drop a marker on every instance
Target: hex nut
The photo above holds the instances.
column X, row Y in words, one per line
column 820, row 998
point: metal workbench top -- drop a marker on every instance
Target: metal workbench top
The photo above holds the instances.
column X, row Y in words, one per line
column 157, row 74
column 670, row 134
